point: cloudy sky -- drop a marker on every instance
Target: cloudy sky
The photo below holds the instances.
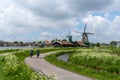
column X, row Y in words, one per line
column 34, row 20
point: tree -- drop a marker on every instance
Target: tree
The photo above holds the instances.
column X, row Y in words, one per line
column 21, row 43
column 64, row 40
column 15, row 42
column 113, row 43
column 39, row 42
column 54, row 40
column 97, row 44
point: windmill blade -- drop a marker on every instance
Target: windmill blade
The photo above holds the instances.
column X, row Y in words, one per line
column 89, row 33
column 85, row 27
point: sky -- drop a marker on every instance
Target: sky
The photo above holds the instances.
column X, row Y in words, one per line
column 35, row 20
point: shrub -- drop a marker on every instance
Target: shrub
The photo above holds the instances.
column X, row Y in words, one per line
column 97, row 60
column 21, row 71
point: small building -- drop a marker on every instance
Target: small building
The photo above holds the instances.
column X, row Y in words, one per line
column 62, row 44
column 67, row 44
column 57, row 44
column 47, row 43
column 1, row 43
column 118, row 44
column 79, row 44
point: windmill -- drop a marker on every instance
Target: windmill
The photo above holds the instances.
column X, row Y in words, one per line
column 69, row 37
column 85, row 36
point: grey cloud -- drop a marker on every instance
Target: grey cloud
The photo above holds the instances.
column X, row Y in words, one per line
column 114, row 6
column 89, row 5
column 54, row 9
column 63, row 9
column 59, row 10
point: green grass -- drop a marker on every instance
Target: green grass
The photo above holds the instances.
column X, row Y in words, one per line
column 96, row 60
column 81, row 69
column 8, row 50
column 26, row 53
column 1, row 67
column 112, row 50
column 22, row 72
column 100, row 75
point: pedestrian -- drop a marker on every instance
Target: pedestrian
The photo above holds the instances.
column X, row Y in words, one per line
column 31, row 53
column 38, row 53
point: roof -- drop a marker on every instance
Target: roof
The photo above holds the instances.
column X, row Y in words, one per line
column 63, row 43
column 80, row 42
column 46, row 42
column 66, row 43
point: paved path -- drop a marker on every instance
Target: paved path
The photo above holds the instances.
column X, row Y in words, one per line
column 40, row 65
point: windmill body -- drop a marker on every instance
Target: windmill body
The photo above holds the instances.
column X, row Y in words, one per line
column 69, row 37
column 85, row 36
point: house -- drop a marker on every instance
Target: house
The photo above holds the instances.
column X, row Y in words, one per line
column 67, row 44
column 57, row 44
column 79, row 44
column 62, row 44
column 1, row 43
column 45, row 43
column 118, row 44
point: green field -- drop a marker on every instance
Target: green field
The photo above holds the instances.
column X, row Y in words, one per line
column 98, row 63
column 8, row 50
column 101, row 64
column 12, row 66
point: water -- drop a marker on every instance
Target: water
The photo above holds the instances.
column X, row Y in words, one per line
column 15, row 47
column 63, row 57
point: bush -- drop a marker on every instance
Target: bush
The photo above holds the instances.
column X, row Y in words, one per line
column 97, row 60
column 21, row 71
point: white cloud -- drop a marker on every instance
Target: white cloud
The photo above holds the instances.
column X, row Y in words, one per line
column 104, row 30
column 96, row 23
column 114, row 28
column 49, row 36
column 22, row 17
column 45, row 34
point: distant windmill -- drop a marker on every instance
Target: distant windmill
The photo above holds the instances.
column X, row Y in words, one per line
column 85, row 36
column 69, row 37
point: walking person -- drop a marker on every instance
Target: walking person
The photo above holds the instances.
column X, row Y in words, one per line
column 31, row 53
column 38, row 53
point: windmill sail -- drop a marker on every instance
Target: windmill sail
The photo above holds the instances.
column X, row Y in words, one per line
column 85, row 28
column 85, row 35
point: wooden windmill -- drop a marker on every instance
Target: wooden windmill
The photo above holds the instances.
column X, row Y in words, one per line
column 85, row 36
column 69, row 37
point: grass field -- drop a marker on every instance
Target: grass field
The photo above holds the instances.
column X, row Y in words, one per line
column 8, row 50
column 101, row 64
column 12, row 66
